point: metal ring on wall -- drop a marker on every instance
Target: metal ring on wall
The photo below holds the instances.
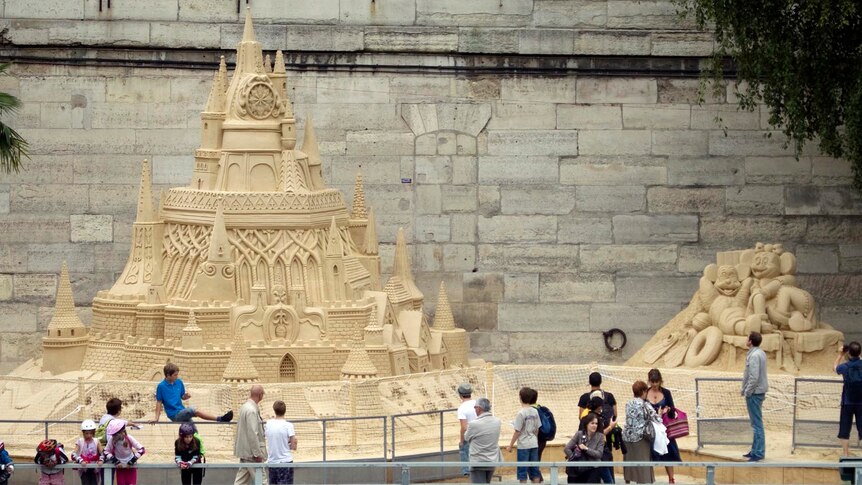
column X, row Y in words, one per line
column 609, row 335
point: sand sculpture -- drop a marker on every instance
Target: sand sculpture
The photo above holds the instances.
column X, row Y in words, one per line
column 256, row 270
column 744, row 291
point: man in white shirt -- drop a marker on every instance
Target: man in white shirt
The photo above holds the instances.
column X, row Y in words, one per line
column 466, row 414
column 281, row 442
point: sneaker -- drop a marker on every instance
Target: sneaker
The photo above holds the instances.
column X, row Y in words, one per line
column 228, row 416
column 747, row 455
column 755, row 458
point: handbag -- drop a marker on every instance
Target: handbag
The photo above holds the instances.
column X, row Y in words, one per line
column 649, row 430
column 676, row 427
column 577, row 455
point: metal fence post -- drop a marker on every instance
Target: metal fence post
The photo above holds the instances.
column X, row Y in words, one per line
column 393, row 437
column 697, row 411
column 857, row 475
column 405, row 475
column 795, row 407
column 324, row 440
column 385, row 444
column 555, row 475
column 108, row 473
column 710, row 474
column 258, row 476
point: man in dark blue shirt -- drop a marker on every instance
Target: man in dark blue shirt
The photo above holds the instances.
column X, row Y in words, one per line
column 851, row 394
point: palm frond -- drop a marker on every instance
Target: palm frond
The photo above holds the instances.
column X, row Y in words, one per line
column 13, row 147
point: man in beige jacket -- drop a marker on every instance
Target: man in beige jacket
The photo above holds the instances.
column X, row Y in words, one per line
column 250, row 445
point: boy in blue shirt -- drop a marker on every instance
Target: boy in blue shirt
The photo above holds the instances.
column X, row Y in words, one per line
column 170, row 394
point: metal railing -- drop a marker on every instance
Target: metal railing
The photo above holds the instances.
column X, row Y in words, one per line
column 807, row 431
column 401, row 472
column 719, row 430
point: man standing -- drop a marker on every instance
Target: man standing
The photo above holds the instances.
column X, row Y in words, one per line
column 483, row 438
column 607, row 422
column 754, row 387
column 466, row 414
column 250, row 445
column 851, row 393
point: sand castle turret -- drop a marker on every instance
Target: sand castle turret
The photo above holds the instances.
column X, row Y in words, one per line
column 455, row 340
column 358, row 364
column 67, row 336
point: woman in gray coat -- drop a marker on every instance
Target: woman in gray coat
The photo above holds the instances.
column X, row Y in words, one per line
column 587, row 445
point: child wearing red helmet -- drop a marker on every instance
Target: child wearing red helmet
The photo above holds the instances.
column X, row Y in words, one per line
column 49, row 454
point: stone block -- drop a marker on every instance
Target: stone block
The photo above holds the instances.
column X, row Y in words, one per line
column 656, row 116
column 653, row 229
column 474, row 317
column 137, row 90
column 807, row 199
column 379, row 143
column 55, row 115
column 693, row 259
column 612, row 43
column 524, row 89
column 91, row 228
column 364, row 90
column 459, row 198
column 533, row 143
column 518, row 229
column 6, row 287
column 568, row 347
column 616, row 90
column 816, row 259
column 35, row 287
column 492, row 346
column 17, row 318
column 463, row 228
column 528, row 258
column 677, row 143
column 479, row 12
column 420, row 89
column 521, row 287
column 687, row 91
column 345, row 117
column 622, row 198
column 464, row 170
column 459, row 257
column 634, row 14
column 746, row 231
column 705, row 171
column 628, row 258
column 61, row 89
column 589, row 117
column 378, row 12
column 163, row 115
column 748, row 143
column 433, row 170
column 271, row 37
column 777, row 170
column 574, row 288
column 585, row 170
column 428, row 199
column 843, row 318
column 546, row 41
column 548, row 317
column 851, row 258
column 33, row 228
column 155, row 10
column 827, row 230
column 639, row 317
column 106, row 169
column 432, row 228
column 4, row 202
column 206, row 11
column 557, row 200
column 489, row 200
column 166, row 142
column 47, row 198
column 414, row 39
column 171, row 170
column 374, row 170
column 483, row 287
column 518, row 170
column 614, row 142
column 685, row 200
column 755, row 199
column 522, row 116
column 722, row 116
column 830, row 171
column 656, row 289
column 833, row 289
column 490, row 41
column 324, row 38
column 191, row 91
column 46, row 10
column 46, row 141
column 569, row 13
column 49, row 258
column 113, row 199
column 13, row 258
column 429, row 257
column 578, row 229
column 682, row 44
column 185, row 34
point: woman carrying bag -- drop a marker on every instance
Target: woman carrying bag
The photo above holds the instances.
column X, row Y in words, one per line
column 639, row 434
column 662, row 401
column 586, row 445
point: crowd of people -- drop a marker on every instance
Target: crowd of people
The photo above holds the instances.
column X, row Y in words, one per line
column 646, row 437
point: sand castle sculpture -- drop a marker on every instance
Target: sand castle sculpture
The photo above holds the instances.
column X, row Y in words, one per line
column 744, row 291
column 256, row 270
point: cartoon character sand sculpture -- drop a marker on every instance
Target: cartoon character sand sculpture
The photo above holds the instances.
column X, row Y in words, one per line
column 744, row 291
column 255, row 252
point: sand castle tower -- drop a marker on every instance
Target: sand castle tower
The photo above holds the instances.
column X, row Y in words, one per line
column 256, row 265
column 456, row 342
column 67, row 338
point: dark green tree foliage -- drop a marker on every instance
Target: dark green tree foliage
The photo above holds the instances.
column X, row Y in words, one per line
column 802, row 58
column 12, row 146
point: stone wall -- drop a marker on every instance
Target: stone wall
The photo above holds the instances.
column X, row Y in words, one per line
column 558, row 195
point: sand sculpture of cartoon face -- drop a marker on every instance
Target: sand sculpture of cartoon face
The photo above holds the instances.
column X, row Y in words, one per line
column 723, row 298
column 775, row 296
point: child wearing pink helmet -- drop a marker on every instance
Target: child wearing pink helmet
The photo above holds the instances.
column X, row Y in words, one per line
column 124, row 451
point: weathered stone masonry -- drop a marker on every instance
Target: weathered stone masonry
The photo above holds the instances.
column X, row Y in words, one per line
column 554, row 200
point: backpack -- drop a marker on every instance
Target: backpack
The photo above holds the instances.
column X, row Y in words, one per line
column 548, row 427
column 101, row 433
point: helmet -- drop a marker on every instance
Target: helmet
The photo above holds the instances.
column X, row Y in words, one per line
column 47, row 446
column 88, row 425
column 187, row 429
column 114, row 427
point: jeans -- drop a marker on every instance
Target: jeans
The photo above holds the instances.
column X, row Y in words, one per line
column 530, row 454
column 606, row 473
column 755, row 415
column 464, row 451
